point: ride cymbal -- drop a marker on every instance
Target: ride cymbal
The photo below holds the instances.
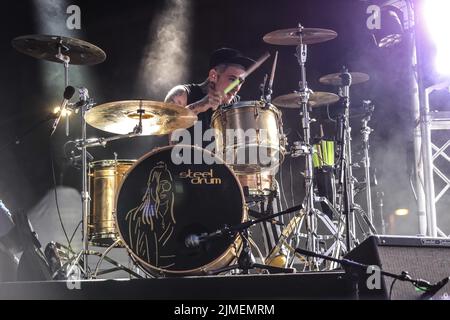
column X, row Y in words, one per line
column 47, row 47
column 335, row 79
column 316, row 99
column 122, row 117
column 296, row 36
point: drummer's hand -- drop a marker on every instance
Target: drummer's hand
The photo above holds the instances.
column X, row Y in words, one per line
column 214, row 99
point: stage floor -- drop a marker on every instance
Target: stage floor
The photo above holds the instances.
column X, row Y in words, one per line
column 308, row 285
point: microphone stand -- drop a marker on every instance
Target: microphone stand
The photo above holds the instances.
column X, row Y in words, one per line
column 430, row 289
column 19, row 139
column 245, row 260
column 65, row 59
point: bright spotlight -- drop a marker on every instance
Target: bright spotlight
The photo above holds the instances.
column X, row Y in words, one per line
column 401, row 212
column 435, row 16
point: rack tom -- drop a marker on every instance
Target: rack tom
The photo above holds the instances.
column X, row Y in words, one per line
column 249, row 136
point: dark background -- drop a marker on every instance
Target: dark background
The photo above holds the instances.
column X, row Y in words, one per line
column 29, row 88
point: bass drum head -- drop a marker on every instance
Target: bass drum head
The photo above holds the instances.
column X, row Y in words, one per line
column 161, row 202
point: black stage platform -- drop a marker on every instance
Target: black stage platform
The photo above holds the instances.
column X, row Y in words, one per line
column 313, row 285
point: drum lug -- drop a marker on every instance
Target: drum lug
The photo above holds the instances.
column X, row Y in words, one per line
column 222, row 116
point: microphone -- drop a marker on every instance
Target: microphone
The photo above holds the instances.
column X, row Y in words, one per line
column 433, row 289
column 68, row 94
column 194, row 241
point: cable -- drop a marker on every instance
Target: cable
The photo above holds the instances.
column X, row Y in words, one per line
column 75, row 231
column 292, row 183
column 282, row 186
column 392, row 287
column 328, row 114
column 56, row 199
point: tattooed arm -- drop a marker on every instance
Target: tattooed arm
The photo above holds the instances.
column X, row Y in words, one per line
column 178, row 96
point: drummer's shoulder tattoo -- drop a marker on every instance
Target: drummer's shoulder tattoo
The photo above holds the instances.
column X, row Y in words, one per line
column 176, row 95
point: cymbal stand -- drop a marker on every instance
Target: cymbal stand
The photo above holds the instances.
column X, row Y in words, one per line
column 304, row 148
column 86, row 103
column 65, row 59
column 345, row 179
column 365, row 133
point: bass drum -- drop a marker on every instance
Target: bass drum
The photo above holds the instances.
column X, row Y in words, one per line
column 168, row 196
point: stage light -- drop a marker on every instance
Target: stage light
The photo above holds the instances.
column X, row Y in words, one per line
column 435, row 17
column 66, row 112
column 401, row 212
column 391, row 31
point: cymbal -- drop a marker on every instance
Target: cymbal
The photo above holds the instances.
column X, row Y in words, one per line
column 316, row 99
column 335, row 79
column 158, row 118
column 45, row 47
column 292, row 37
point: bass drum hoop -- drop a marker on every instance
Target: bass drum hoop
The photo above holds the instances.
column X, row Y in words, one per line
column 230, row 254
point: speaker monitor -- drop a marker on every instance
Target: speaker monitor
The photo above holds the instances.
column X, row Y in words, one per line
column 422, row 258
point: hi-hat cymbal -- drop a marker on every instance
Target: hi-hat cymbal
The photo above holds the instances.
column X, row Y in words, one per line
column 296, row 36
column 316, row 99
column 121, row 117
column 335, row 79
column 46, row 47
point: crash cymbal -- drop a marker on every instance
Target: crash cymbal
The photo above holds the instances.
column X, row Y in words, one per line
column 121, row 117
column 45, row 47
column 335, row 79
column 316, row 99
column 292, row 37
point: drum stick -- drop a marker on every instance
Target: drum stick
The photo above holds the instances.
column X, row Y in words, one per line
column 274, row 67
column 252, row 68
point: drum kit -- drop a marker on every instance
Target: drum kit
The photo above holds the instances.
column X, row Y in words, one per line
column 177, row 218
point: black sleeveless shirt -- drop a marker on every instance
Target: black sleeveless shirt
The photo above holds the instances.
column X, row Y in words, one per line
column 194, row 94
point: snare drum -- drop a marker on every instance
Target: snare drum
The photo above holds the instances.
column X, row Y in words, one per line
column 170, row 196
column 249, row 136
column 105, row 177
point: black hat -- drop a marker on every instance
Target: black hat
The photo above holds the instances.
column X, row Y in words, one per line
column 229, row 56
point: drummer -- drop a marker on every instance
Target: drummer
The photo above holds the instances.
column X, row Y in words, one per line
column 225, row 66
